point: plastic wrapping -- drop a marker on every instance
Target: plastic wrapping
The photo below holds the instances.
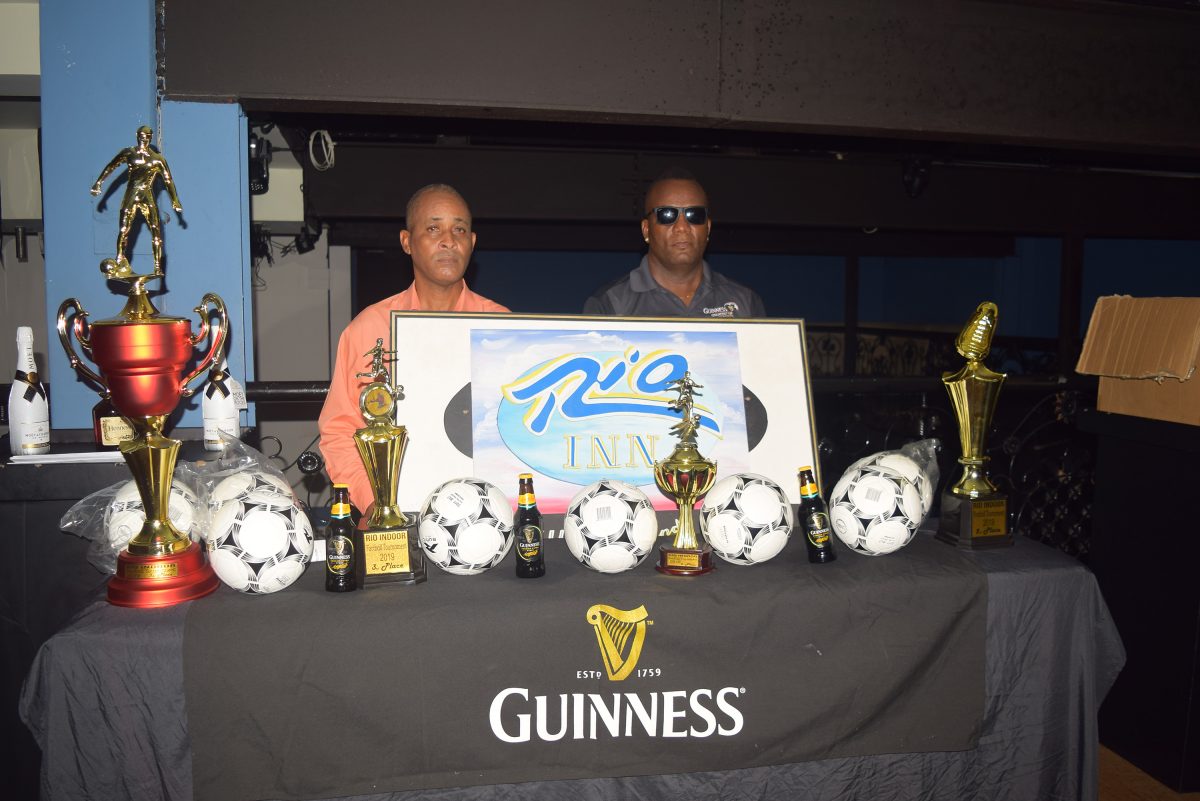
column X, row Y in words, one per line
column 109, row 518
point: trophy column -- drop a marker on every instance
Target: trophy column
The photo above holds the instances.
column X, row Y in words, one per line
column 974, row 511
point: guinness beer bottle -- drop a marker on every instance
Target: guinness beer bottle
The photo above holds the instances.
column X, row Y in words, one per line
column 341, row 574
column 814, row 519
column 531, row 561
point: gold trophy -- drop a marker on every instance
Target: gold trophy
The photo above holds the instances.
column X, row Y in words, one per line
column 684, row 477
column 140, row 354
column 974, row 512
column 390, row 554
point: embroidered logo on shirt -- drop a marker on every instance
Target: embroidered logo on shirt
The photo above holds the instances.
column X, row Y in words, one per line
column 726, row 310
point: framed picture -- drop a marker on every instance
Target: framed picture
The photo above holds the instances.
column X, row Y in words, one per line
column 577, row 399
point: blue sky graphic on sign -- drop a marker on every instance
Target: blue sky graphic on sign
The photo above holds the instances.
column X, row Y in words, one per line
column 578, row 406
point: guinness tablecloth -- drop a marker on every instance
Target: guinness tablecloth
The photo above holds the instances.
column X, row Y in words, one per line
column 490, row 679
column 105, row 702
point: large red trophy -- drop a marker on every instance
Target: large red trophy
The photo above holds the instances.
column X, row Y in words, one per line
column 141, row 355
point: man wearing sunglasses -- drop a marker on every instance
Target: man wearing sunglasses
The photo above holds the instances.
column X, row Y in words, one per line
column 673, row 279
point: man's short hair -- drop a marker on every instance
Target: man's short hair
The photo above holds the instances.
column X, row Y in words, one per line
column 671, row 174
column 424, row 190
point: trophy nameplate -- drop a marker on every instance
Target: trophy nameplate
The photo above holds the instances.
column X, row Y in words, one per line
column 974, row 512
column 390, row 552
column 684, row 477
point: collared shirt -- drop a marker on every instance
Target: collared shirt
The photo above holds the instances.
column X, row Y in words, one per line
column 639, row 295
column 341, row 416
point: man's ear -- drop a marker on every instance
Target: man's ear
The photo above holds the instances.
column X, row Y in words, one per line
column 645, row 229
column 404, row 243
column 472, row 240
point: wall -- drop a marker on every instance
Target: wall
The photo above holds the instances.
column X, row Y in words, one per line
column 301, row 305
column 98, row 86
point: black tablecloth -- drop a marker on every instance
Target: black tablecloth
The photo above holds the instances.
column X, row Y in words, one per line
column 105, row 701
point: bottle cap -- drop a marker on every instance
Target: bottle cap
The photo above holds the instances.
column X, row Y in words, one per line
column 341, row 486
column 525, row 475
column 803, row 468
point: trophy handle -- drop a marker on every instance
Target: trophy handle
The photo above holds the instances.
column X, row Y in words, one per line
column 218, row 342
column 79, row 326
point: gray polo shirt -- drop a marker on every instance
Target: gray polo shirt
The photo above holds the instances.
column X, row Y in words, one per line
column 639, row 295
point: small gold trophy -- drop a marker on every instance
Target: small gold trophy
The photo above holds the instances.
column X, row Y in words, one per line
column 389, row 553
column 684, row 477
column 974, row 512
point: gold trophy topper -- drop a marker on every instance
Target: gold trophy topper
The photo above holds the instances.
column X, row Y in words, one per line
column 146, row 166
column 378, row 398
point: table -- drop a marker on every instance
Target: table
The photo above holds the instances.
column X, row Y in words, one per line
column 1051, row 655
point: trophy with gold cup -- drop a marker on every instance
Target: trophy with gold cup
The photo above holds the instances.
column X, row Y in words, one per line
column 684, row 477
column 141, row 355
column 390, row 552
column 974, row 511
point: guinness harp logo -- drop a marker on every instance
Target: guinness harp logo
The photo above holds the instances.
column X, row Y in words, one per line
column 620, row 634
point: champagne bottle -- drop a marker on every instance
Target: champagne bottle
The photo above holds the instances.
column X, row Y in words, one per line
column 28, row 409
column 219, row 407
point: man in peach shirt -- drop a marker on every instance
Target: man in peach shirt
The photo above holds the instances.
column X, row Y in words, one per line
column 439, row 238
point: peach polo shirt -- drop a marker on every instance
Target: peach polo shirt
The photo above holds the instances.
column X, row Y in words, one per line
column 340, row 416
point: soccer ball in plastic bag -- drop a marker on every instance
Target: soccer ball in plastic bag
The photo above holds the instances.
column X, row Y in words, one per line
column 610, row 526
column 124, row 515
column 466, row 526
column 874, row 508
column 746, row 518
column 259, row 538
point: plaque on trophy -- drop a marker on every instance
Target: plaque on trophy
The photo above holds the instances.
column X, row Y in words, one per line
column 684, row 477
column 391, row 553
column 141, row 355
column 974, row 511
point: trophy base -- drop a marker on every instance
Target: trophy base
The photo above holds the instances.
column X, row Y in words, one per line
column 389, row 556
column 150, row 581
column 684, row 561
column 974, row 524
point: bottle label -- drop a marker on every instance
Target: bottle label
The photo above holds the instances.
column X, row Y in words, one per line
column 213, row 427
column 526, row 499
column 339, row 510
column 529, row 543
column 114, row 431
column 32, row 436
column 339, row 555
column 808, row 490
column 816, row 526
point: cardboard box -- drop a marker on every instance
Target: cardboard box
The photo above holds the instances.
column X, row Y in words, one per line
column 1145, row 352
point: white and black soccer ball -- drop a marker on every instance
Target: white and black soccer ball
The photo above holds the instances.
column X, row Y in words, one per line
column 910, row 469
column 125, row 515
column 874, row 509
column 746, row 518
column 610, row 526
column 259, row 537
column 466, row 526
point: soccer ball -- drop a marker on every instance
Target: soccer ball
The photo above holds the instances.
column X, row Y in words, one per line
column 466, row 526
column 908, row 468
column 610, row 526
column 746, row 518
column 259, row 539
column 124, row 515
column 875, row 509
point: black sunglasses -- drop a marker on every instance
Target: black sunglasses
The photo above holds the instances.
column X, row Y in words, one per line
column 667, row 215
